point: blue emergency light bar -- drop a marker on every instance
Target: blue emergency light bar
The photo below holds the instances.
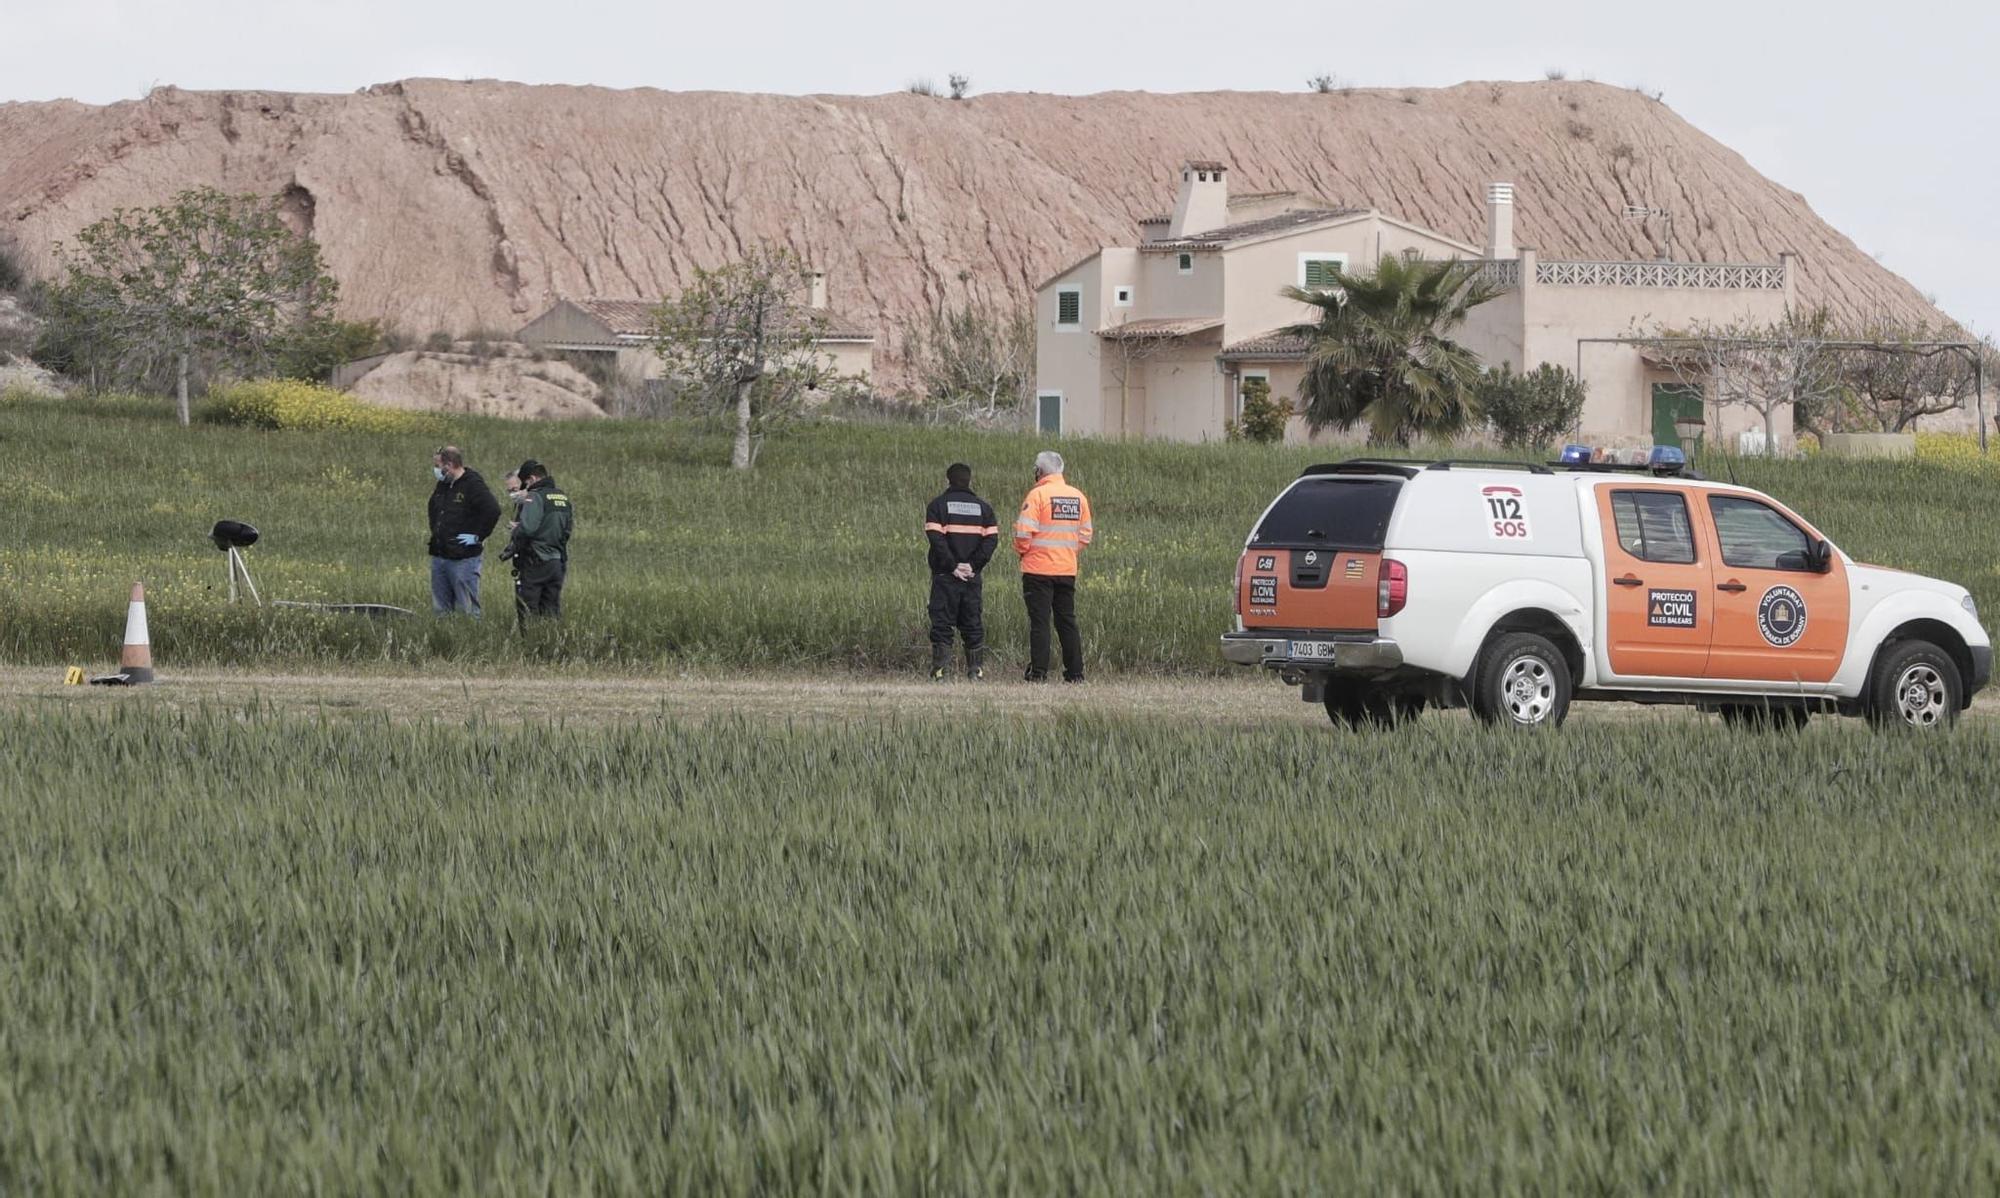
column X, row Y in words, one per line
column 1576, row 455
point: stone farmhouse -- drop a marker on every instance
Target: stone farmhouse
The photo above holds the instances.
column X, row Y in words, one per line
column 622, row 331
column 1156, row 340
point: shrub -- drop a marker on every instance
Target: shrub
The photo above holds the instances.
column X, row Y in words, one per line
column 960, row 85
column 438, row 342
column 921, row 87
column 294, row 404
column 313, row 351
column 1323, row 84
column 1264, row 417
column 1578, row 131
column 12, row 277
column 1530, row 411
column 1555, row 74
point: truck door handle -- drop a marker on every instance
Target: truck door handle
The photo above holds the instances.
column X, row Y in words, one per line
column 1732, row 585
column 1629, row 581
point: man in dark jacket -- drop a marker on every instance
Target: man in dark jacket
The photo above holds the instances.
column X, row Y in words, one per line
column 463, row 513
column 539, row 546
column 962, row 531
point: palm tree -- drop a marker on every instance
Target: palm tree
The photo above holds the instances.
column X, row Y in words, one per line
column 1380, row 349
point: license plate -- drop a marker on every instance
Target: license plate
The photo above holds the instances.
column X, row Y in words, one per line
column 1313, row 650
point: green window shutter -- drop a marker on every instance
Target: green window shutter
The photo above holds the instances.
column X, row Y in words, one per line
column 1320, row 273
column 1069, row 307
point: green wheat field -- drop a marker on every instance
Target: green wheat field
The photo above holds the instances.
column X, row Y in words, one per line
column 813, row 561
column 251, row 953
column 251, row 948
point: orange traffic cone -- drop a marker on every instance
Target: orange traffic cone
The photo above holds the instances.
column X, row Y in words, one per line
column 135, row 663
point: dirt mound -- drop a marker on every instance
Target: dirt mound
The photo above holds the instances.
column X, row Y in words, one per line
column 472, row 205
column 503, row 380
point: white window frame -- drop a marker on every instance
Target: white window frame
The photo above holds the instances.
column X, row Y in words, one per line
column 1319, row 256
column 1075, row 326
column 1062, row 412
column 1185, row 262
column 1243, row 376
column 1121, row 297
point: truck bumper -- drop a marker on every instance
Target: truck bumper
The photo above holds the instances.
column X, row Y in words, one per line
column 1262, row 647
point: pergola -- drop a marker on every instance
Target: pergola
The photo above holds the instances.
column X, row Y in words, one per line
column 1922, row 349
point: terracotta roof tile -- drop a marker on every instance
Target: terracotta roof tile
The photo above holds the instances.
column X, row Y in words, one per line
column 1284, row 222
column 1164, row 327
column 1275, row 344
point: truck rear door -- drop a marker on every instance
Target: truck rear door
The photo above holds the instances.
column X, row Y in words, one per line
column 1659, row 614
column 1315, row 559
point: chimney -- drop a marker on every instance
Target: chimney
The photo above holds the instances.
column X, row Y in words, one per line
column 817, row 278
column 1204, row 200
column 1499, row 220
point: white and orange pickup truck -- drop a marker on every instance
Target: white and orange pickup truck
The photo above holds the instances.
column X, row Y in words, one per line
column 1380, row 587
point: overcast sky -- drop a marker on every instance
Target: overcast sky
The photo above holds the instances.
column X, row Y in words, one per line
column 1883, row 115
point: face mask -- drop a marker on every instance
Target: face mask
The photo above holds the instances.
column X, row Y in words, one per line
column 437, row 472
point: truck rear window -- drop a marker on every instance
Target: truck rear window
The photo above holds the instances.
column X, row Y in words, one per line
column 1342, row 513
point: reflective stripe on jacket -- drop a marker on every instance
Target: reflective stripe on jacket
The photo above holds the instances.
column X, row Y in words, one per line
column 1054, row 525
column 961, row 527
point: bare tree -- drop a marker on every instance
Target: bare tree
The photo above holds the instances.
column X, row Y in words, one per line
column 1763, row 367
column 206, row 282
column 975, row 362
column 743, row 339
column 1901, row 374
column 1128, row 350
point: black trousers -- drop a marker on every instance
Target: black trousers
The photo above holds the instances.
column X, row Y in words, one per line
column 538, row 589
column 1052, row 595
column 957, row 606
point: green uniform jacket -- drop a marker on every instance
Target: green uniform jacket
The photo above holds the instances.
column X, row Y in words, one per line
column 546, row 521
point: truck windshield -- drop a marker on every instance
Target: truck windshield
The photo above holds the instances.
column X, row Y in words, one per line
column 1341, row 513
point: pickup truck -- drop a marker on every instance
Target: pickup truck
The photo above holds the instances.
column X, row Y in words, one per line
column 1381, row 587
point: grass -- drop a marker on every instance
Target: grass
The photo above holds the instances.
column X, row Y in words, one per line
column 252, row 953
column 814, row 561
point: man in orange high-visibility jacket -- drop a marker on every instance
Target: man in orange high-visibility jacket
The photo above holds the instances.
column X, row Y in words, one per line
column 1053, row 527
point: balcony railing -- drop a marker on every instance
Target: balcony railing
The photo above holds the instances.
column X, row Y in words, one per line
column 1707, row 276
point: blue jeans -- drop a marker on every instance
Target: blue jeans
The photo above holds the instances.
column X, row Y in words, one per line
column 455, row 585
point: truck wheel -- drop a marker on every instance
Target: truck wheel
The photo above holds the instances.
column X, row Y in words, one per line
column 1521, row 681
column 1765, row 717
column 1358, row 705
column 1914, row 684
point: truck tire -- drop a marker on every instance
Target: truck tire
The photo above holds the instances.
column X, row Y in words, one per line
column 1521, row 681
column 1914, row 684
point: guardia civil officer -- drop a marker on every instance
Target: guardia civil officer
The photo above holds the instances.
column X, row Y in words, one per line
column 963, row 532
column 539, row 546
column 1053, row 527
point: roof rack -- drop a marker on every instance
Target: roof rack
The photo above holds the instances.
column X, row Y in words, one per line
column 1409, row 467
column 1489, row 464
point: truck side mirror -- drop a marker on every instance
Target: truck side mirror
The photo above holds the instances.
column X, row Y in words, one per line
column 1822, row 557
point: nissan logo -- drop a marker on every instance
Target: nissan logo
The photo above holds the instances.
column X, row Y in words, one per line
column 1312, row 558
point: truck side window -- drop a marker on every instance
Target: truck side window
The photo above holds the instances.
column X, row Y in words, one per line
column 1756, row 537
column 1653, row 526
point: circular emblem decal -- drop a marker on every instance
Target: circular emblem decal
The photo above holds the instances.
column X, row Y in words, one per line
column 1781, row 616
column 1312, row 557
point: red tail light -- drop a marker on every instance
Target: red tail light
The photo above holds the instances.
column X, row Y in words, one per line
column 1392, row 588
column 1238, row 594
